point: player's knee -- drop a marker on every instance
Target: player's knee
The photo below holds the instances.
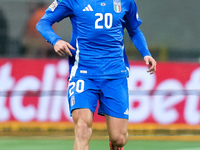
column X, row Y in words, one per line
column 119, row 140
column 83, row 130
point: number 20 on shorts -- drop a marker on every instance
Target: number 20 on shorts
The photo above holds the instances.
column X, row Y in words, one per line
column 79, row 85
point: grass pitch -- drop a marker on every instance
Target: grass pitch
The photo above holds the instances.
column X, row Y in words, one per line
column 66, row 144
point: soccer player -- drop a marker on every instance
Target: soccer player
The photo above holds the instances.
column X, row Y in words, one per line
column 97, row 63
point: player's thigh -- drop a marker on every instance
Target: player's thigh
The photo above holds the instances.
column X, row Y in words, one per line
column 117, row 127
column 114, row 99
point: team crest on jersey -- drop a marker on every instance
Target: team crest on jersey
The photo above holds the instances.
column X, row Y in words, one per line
column 72, row 101
column 53, row 5
column 117, row 6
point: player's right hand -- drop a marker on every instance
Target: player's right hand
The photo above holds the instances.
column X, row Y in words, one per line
column 61, row 48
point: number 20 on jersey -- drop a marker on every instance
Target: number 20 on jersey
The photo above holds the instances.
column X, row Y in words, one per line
column 107, row 18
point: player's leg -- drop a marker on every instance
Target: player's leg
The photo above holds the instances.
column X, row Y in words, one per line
column 82, row 128
column 117, row 131
column 114, row 105
column 83, row 97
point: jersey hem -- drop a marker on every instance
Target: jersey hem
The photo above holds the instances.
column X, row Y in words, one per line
column 102, row 77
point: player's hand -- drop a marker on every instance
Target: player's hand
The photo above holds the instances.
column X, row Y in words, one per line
column 61, row 48
column 151, row 63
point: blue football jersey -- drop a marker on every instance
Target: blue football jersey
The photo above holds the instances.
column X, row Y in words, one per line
column 98, row 30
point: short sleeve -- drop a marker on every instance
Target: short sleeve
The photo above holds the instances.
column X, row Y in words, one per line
column 59, row 10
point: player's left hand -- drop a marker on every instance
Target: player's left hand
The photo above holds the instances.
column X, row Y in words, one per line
column 151, row 63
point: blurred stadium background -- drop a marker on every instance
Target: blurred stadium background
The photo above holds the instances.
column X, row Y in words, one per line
column 171, row 28
column 165, row 106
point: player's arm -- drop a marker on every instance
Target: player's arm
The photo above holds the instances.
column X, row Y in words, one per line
column 132, row 25
column 55, row 13
column 140, row 43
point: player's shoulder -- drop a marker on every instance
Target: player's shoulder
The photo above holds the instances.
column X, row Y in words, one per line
column 65, row 2
column 129, row 3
